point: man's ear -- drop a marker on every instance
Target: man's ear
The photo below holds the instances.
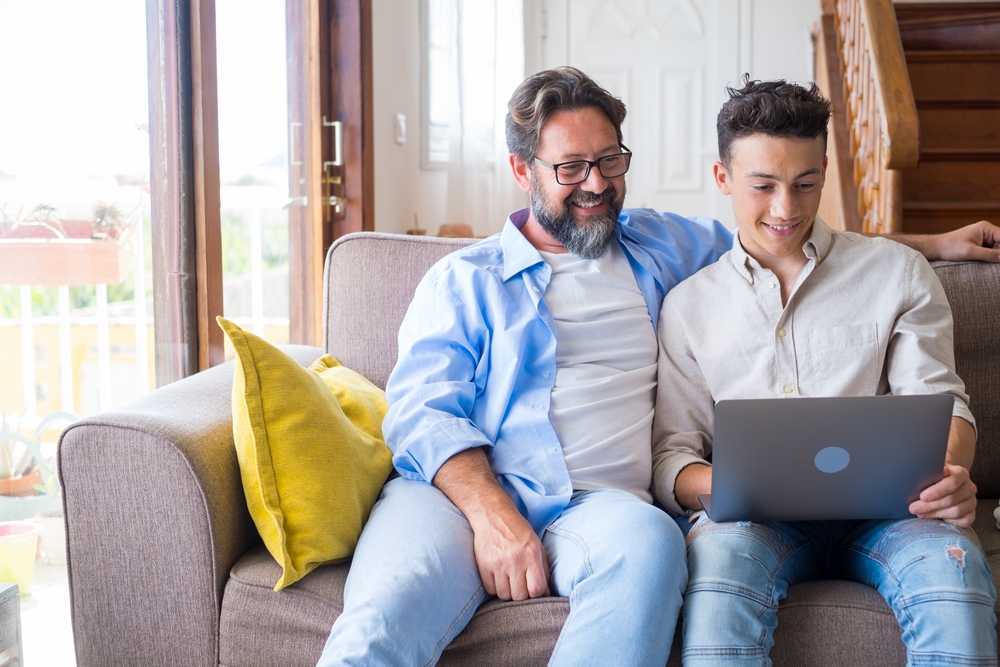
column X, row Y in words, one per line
column 521, row 172
column 722, row 179
column 822, row 176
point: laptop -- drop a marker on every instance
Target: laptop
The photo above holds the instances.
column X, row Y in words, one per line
column 800, row 459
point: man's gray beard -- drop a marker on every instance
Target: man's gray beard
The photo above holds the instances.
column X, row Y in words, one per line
column 588, row 241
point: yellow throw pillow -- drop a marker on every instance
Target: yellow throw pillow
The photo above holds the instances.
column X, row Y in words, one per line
column 311, row 452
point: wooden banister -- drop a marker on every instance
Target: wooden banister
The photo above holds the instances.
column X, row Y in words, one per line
column 881, row 114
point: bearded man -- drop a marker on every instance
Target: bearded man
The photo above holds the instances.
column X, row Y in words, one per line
column 521, row 409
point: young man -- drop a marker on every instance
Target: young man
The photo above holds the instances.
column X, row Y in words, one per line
column 797, row 309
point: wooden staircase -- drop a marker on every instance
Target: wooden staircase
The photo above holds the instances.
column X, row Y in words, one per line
column 916, row 95
column 952, row 54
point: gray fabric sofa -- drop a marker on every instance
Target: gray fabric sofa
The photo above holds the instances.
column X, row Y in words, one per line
column 166, row 567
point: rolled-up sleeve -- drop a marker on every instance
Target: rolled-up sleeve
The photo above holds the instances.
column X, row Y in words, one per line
column 683, row 420
column 433, row 388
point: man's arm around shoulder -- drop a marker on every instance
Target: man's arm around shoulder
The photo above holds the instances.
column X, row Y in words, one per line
column 979, row 242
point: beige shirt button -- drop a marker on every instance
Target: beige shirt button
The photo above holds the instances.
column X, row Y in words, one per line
column 781, row 333
column 787, row 390
column 770, row 286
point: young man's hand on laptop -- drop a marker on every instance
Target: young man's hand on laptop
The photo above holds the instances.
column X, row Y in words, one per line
column 953, row 499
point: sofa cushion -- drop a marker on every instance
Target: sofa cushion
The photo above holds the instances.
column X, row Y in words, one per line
column 820, row 623
column 311, row 452
column 363, row 311
column 260, row 627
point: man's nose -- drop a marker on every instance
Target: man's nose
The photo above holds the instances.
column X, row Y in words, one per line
column 594, row 182
column 783, row 205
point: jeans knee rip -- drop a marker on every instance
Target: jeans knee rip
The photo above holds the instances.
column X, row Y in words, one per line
column 957, row 554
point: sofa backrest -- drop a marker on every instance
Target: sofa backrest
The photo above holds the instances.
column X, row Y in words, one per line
column 371, row 277
column 973, row 289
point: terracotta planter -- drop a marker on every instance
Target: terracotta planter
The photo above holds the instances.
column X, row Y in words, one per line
column 36, row 256
column 19, row 487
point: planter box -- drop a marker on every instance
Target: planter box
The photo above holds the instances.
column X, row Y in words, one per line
column 36, row 257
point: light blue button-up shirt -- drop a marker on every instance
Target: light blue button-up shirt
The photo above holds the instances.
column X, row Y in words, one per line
column 477, row 353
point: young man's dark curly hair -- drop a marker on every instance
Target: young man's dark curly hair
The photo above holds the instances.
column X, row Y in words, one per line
column 774, row 108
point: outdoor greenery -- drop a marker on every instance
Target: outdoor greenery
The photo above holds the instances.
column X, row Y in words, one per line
column 236, row 243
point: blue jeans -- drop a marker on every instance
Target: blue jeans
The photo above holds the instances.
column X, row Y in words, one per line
column 934, row 577
column 414, row 583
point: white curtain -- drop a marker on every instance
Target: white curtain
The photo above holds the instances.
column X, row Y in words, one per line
column 488, row 64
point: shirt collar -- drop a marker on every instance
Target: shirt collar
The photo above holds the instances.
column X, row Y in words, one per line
column 518, row 253
column 816, row 248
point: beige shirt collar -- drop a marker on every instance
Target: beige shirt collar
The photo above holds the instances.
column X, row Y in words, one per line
column 816, row 248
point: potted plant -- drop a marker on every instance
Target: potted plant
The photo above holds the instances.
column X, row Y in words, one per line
column 28, row 483
column 37, row 249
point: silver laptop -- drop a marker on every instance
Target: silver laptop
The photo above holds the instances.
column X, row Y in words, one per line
column 800, row 459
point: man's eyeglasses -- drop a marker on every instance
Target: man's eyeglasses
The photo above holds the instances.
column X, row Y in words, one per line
column 577, row 171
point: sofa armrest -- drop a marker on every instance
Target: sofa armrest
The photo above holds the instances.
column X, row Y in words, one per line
column 156, row 517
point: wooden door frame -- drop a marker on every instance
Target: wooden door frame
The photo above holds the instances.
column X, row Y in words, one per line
column 184, row 170
column 338, row 74
column 184, row 187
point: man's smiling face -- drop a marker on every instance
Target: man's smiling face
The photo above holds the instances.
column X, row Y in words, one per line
column 775, row 184
column 581, row 217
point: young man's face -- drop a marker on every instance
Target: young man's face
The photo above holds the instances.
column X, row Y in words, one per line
column 775, row 184
column 582, row 217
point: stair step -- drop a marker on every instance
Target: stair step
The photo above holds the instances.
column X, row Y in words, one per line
column 937, row 217
column 958, row 104
column 959, row 154
column 959, row 128
column 958, row 31
column 951, row 181
column 954, row 75
column 910, row 11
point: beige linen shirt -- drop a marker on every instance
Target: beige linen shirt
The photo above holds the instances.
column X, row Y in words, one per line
column 867, row 317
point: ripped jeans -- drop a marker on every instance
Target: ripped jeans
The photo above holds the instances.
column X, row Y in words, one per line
column 934, row 577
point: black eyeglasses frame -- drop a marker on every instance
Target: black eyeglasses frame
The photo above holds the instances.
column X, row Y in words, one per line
column 590, row 164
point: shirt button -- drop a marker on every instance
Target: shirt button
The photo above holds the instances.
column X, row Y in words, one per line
column 534, row 288
column 551, row 450
column 787, row 390
column 539, row 407
column 562, row 489
column 781, row 333
column 546, row 374
column 770, row 286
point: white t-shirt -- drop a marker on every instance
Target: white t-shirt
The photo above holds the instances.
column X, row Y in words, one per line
column 605, row 389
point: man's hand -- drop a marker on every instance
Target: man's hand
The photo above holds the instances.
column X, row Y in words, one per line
column 979, row 241
column 511, row 559
column 952, row 500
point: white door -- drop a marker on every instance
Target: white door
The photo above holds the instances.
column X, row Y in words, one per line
column 669, row 61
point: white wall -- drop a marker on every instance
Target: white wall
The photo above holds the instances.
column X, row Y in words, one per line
column 402, row 188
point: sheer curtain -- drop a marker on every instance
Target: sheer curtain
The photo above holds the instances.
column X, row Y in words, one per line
column 487, row 64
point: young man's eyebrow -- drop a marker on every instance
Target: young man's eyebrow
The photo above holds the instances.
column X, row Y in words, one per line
column 760, row 174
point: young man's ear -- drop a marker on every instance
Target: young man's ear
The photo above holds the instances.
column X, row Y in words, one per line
column 521, row 172
column 722, row 179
